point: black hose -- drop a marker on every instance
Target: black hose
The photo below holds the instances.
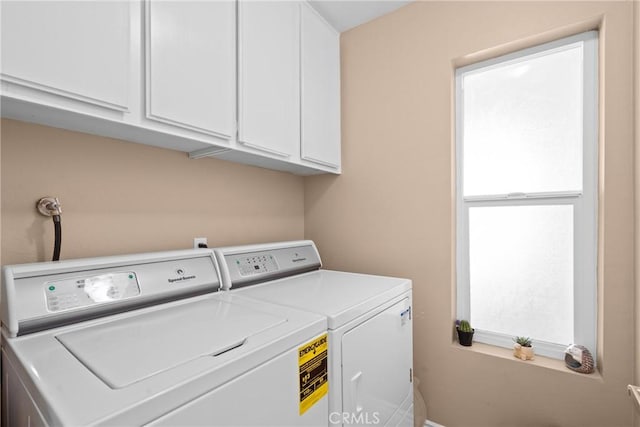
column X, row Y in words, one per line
column 57, row 226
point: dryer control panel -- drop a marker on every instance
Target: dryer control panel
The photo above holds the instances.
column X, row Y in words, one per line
column 246, row 265
column 256, row 263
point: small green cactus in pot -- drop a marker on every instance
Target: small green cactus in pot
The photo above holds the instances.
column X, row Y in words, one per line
column 465, row 326
column 465, row 332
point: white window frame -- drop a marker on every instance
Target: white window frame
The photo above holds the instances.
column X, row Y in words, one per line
column 584, row 203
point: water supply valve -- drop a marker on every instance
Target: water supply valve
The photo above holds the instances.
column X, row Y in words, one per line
column 49, row 206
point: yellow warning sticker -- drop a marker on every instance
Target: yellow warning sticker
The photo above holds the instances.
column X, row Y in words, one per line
column 313, row 371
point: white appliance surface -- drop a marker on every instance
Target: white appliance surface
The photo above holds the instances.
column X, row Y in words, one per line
column 174, row 363
column 339, row 295
column 370, row 339
column 369, row 325
column 107, row 349
column 377, row 363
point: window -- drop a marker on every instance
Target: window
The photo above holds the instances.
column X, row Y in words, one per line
column 526, row 144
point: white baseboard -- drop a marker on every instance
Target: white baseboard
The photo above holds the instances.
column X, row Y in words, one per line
column 429, row 423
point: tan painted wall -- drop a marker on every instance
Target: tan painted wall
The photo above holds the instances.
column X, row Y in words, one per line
column 391, row 212
column 121, row 197
column 636, row 49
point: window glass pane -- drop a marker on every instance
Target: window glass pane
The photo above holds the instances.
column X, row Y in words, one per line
column 521, row 271
column 522, row 125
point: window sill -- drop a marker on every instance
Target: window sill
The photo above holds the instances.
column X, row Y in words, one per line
column 538, row 361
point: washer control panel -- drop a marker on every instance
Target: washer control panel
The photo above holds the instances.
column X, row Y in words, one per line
column 256, row 263
column 84, row 291
column 43, row 296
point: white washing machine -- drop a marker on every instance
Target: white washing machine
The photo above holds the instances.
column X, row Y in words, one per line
column 146, row 340
column 369, row 325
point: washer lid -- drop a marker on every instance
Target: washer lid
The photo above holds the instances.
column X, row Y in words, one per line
column 125, row 351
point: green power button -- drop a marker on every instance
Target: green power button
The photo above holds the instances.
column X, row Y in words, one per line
column 52, row 288
column 131, row 276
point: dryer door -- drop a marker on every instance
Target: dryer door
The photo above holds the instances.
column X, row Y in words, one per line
column 377, row 362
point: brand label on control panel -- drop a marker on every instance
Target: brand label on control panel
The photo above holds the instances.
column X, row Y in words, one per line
column 313, row 372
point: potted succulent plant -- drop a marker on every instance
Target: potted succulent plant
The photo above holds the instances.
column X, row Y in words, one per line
column 523, row 349
column 465, row 333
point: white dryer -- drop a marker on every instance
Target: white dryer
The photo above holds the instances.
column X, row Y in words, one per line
column 146, row 340
column 369, row 325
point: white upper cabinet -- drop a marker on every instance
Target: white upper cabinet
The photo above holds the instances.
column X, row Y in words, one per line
column 72, row 50
column 320, row 90
column 249, row 81
column 191, row 65
column 269, row 76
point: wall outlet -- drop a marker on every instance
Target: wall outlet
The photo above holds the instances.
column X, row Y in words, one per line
column 198, row 240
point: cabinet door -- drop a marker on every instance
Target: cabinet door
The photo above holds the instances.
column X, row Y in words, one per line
column 377, row 365
column 269, row 76
column 190, row 57
column 75, row 49
column 320, row 90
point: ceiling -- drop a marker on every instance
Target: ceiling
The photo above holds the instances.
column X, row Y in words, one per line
column 346, row 14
